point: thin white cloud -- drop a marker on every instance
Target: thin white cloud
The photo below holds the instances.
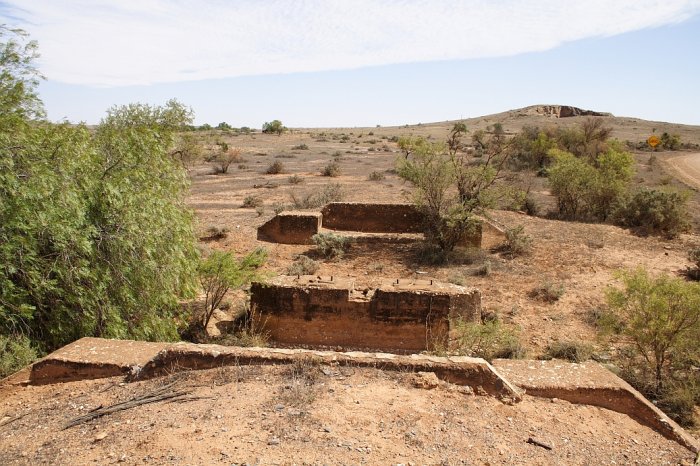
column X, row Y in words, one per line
column 127, row 42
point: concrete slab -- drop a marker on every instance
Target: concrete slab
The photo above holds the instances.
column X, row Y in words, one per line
column 591, row 384
column 93, row 358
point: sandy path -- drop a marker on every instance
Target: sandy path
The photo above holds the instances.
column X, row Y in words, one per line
column 686, row 167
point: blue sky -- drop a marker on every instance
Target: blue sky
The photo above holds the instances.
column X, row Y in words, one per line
column 363, row 63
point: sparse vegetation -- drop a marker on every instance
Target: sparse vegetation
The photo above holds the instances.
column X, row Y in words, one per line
column 295, row 179
column 331, row 245
column 215, row 232
column 488, row 340
column 332, row 169
column 548, row 292
column 251, row 202
column 220, row 272
column 570, row 350
column 275, row 168
column 274, row 127
column 301, row 146
column 694, row 257
column 330, row 193
column 375, row 176
column 661, row 317
column 517, row 243
column 303, row 265
column 226, row 156
column 655, row 212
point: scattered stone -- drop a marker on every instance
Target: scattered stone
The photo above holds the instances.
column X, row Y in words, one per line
column 273, row 441
column 426, row 380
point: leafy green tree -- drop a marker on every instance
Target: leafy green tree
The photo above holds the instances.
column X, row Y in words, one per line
column 661, row 316
column 588, row 190
column 451, row 187
column 273, row 127
column 95, row 236
column 220, row 272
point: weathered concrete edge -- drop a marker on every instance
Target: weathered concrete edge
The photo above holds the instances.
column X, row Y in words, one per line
column 473, row 372
column 623, row 399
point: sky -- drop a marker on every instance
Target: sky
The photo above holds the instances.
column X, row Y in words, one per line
column 344, row 63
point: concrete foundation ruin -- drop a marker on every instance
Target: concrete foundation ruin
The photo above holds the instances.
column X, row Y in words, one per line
column 298, row 227
column 400, row 316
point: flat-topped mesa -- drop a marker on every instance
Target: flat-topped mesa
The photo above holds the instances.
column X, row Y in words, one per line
column 401, row 316
column 559, row 111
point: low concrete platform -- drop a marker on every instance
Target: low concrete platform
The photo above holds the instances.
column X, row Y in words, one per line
column 590, row 383
column 93, row 358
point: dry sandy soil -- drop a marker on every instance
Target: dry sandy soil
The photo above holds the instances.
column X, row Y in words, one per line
column 315, row 415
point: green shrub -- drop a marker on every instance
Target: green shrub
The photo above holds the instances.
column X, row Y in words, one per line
column 16, row 352
column 251, row 202
column 330, row 193
column 547, row 292
column 589, row 190
column 490, row 340
column 275, row 168
column 332, row 169
column 694, row 257
column 220, row 272
column 295, row 179
column 517, row 242
column 655, row 212
column 303, row 265
column 573, row 351
column 661, row 316
column 375, row 176
column 331, row 245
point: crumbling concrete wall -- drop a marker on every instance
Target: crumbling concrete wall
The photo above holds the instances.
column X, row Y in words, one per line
column 408, row 316
column 372, row 218
column 291, row 228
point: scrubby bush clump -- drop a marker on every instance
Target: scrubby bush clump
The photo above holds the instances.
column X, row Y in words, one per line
column 488, row 340
column 330, row 193
column 332, row 170
column 275, row 168
column 655, row 212
column 303, row 265
column 660, row 317
column 517, row 242
column 570, row 350
column 16, row 352
column 331, row 245
column 694, row 257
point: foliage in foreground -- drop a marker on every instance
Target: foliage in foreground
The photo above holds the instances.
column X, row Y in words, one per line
column 331, row 245
column 488, row 340
column 221, row 272
column 95, row 237
column 661, row 318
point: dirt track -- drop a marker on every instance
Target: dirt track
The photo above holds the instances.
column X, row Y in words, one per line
column 686, row 167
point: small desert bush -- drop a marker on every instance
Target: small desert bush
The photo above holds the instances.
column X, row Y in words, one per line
column 16, row 352
column 330, row 193
column 295, row 179
column 275, row 168
column 303, row 265
column 547, row 292
column 331, row 245
column 570, row 350
column 216, row 232
column 489, row 340
column 694, row 257
column 655, row 212
column 251, row 202
column 517, row 242
column 484, row 270
column 376, row 176
column 332, row 170
column 301, row 146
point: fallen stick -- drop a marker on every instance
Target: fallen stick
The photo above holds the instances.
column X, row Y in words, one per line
column 160, row 394
column 539, row 444
column 11, row 420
